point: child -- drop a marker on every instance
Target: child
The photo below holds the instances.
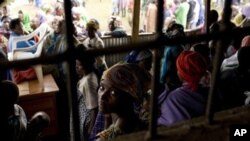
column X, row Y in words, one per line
column 13, row 119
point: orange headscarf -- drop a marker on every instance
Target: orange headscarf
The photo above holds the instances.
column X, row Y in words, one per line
column 191, row 66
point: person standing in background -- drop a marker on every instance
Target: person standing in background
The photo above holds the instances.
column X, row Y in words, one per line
column 181, row 13
column 151, row 16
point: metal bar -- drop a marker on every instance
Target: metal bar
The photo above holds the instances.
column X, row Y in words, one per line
column 124, row 48
column 136, row 22
column 207, row 22
column 156, row 76
column 71, row 82
column 155, row 83
column 220, row 45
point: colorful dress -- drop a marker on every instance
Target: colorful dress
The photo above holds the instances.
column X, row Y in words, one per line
column 88, row 102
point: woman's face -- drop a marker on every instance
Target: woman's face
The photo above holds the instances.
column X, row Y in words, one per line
column 109, row 99
column 6, row 25
column 91, row 33
column 146, row 64
column 79, row 68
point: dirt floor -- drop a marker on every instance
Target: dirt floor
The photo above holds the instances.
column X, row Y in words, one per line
column 101, row 10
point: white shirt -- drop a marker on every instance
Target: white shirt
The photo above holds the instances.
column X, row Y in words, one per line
column 96, row 43
column 230, row 63
column 88, row 86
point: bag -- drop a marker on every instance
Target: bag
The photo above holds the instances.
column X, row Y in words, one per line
column 19, row 76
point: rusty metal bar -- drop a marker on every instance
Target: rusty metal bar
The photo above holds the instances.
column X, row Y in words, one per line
column 124, row 48
column 151, row 44
column 217, row 63
column 156, row 76
column 136, row 22
column 71, row 82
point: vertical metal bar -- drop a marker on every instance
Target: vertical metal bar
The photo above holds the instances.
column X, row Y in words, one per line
column 136, row 20
column 71, row 82
column 207, row 22
column 160, row 16
column 155, row 83
column 217, row 63
column 156, row 77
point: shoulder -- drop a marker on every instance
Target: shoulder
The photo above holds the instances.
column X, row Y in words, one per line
column 92, row 76
column 180, row 95
column 110, row 133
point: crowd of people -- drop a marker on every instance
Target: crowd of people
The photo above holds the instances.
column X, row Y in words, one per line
column 115, row 100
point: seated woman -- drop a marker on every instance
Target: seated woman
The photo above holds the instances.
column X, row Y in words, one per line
column 120, row 88
column 87, row 91
column 16, row 28
column 234, row 84
column 189, row 100
column 232, row 61
column 116, row 30
column 141, row 57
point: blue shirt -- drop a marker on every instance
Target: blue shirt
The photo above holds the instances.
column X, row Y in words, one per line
column 21, row 44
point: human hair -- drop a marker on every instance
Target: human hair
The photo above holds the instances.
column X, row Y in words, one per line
column 14, row 23
column 93, row 24
column 61, row 26
column 9, row 93
column 112, row 24
column 20, row 12
column 213, row 16
column 85, row 59
column 243, row 57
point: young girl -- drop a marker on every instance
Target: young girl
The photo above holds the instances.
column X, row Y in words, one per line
column 87, row 87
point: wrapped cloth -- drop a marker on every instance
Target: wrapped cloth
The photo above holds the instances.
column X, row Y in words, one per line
column 191, row 67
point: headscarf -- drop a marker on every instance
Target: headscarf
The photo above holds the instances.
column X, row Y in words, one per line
column 238, row 19
column 125, row 77
column 245, row 41
column 191, row 66
column 135, row 56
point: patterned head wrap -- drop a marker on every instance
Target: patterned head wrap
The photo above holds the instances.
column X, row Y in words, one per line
column 135, row 56
column 191, row 67
column 245, row 41
column 125, row 77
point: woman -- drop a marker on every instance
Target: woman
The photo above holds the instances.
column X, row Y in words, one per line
column 115, row 28
column 25, row 19
column 87, row 87
column 141, row 57
column 189, row 100
column 120, row 88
